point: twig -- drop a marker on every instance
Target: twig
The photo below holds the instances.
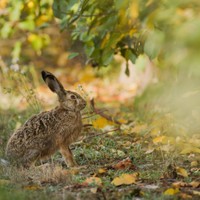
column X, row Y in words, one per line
column 87, row 125
column 99, row 134
column 91, row 136
column 93, row 114
column 99, row 112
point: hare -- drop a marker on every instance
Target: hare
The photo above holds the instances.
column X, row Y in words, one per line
column 45, row 133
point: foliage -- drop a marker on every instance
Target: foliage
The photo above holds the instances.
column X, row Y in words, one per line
column 23, row 21
column 167, row 31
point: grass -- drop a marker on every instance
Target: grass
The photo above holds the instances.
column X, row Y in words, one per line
column 54, row 180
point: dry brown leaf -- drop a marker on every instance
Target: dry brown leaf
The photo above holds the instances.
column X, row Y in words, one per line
column 125, row 179
column 195, row 184
column 179, row 184
column 124, row 164
column 93, row 180
column 149, row 151
column 94, row 190
column 185, row 196
column 196, row 192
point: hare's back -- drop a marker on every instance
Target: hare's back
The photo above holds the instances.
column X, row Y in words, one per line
column 36, row 133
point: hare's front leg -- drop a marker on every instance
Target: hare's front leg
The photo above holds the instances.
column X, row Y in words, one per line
column 68, row 156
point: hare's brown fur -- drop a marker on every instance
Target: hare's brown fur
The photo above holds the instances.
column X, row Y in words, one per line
column 45, row 133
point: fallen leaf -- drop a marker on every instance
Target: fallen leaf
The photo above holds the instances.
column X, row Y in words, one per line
column 94, row 190
column 149, row 151
column 181, row 171
column 32, row 187
column 101, row 122
column 151, row 187
column 185, row 196
column 171, row 191
column 195, row 184
column 125, row 179
column 194, row 164
column 190, row 150
column 139, row 128
column 93, row 180
column 196, row 192
column 159, row 139
column 124, row 164
column 102, row 171
column 179, row 184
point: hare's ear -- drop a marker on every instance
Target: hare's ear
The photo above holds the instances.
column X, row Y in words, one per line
column 53, row 83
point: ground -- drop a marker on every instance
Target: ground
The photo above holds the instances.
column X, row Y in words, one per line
column 130, row 162
column 129, row 148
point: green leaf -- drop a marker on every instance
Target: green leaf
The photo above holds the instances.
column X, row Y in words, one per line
column 129, row 55
column 127, row 72
column 89, row 48
column 6, row 30
column 72, row 55
column 16, row 11
column 27, row 25
column 17, row 50
column 107, row 56
column 141, row 62
column 153, row 44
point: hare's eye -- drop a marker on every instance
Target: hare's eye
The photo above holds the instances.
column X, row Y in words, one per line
column 73, row 97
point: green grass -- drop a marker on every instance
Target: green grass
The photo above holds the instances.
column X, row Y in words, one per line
column 97, row 152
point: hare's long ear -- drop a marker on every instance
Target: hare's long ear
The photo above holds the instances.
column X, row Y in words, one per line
column 53, row 83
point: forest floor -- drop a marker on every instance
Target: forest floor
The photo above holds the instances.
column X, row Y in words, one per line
column 136, row 158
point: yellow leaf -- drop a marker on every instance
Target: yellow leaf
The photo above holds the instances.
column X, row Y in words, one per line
column 159, row 139
column 155, row 131
column 102, row 171
column 190, row 150
column 194, row 164
column 101, row 122
column 42, row 19
column 32, row 187
column 181, row 172
column 105, row 40
column 93, row 180
column 134, row 10
column 125, row 179
column 171, row 191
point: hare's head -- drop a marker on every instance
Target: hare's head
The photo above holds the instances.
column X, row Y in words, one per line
column 68, row 100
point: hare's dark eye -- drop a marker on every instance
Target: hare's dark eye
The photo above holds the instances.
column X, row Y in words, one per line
column 73, row 96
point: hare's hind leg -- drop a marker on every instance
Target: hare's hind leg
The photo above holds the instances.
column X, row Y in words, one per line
column 30, row 157
column 68, row 156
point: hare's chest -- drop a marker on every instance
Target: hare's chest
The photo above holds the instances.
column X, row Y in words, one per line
column 71, row 129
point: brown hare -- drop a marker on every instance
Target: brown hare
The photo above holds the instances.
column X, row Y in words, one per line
column 45, row 133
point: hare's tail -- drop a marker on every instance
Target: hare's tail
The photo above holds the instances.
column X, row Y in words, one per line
column 4, row 162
